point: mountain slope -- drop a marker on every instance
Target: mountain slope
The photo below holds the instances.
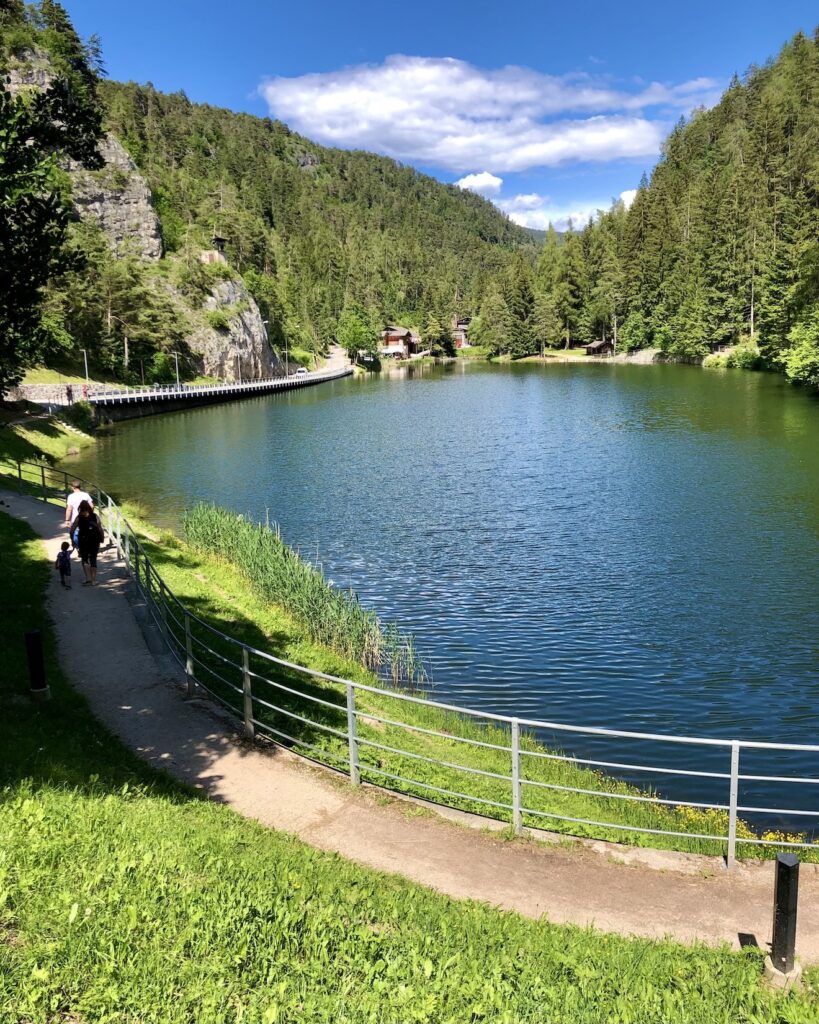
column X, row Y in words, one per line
column 312, row 229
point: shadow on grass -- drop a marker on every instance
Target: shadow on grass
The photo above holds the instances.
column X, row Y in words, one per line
column 13, row 446
column 59, row 742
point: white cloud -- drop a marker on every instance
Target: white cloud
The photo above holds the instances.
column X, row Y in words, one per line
column 449, row 114
column 485, row 184
column 532, row 210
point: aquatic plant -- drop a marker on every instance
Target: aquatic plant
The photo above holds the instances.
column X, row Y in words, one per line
column 331, row 616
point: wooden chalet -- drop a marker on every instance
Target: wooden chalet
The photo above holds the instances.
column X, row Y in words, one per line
column 399, row 342
column 602, row 347
column 460, row 331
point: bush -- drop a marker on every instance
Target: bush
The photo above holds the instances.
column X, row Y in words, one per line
column 218, row 319
column 802, row 359
column 715, row 362
column 745, row 356
column 79, row 415
column 163, row 369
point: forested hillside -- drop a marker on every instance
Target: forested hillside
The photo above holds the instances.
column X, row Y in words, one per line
column 311, row 229
column 720, row 247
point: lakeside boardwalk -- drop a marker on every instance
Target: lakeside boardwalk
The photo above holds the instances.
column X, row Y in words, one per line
column 139, row 696
column 127, row 403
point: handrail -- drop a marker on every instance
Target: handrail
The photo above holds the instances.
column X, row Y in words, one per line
column 180, row 635
column 164, row 392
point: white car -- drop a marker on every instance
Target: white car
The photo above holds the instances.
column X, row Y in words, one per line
column 301, row 372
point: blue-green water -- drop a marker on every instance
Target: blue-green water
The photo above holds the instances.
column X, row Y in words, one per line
column 624, row 546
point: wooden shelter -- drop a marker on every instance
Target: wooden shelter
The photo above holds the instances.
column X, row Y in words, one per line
column 602, row 347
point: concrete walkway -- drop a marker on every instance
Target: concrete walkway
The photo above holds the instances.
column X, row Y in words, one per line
column 633, row 892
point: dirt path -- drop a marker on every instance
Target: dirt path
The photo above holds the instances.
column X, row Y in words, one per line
column 632, row 892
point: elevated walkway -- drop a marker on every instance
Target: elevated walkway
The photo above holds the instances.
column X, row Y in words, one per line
column 130, row 403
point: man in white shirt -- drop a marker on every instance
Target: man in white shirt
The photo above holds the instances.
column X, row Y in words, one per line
column 73, row 500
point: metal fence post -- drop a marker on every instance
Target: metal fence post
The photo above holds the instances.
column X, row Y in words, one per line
column 136, row 566
column 247, row 693
column 733, row 798
column 163, row 608
column 517, row 817
column 119, row 531
column 42, row 477
column 786, row 896
column 20, row 477
column 352, row 736
column 189, row 674
column 127, row 547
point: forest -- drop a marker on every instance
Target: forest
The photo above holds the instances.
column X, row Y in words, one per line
column 719, row 250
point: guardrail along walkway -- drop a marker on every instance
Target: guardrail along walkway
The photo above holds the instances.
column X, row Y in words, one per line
column 111, row 665
column 522, row 771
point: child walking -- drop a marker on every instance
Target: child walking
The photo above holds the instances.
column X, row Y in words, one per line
column 63, row 564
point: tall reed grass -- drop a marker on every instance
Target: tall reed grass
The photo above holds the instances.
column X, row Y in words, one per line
column 331, row 616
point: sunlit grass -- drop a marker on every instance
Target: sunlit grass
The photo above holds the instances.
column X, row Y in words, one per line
column 126, row 897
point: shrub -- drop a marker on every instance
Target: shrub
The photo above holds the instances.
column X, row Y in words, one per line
column 218, row 319
column 745, row 356
column 802, row 359
column 163, row 370
column 714, row 362
column 80, row 415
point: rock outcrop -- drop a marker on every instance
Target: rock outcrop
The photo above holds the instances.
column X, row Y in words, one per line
column 32, row 70
column 240, row 347
column 118, row 197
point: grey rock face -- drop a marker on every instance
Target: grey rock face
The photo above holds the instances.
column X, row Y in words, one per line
column 32, row 70
column 242, row 346
column 119, row 199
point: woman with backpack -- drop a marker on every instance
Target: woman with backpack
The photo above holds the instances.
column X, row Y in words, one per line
column 88, row 530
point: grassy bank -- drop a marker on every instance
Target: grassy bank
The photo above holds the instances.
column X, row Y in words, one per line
column 28, row 436
column 126, row 898
column 224, row 584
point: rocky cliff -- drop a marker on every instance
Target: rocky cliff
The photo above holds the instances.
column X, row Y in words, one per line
column 228, row 338
column 232, row 342
column 119, row 199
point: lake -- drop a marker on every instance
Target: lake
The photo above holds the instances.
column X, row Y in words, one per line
column 625, row 546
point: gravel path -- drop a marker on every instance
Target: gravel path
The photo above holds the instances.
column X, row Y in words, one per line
column 139, row 696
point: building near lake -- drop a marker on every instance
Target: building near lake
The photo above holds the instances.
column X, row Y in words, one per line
column 603, row 347
column 399, row 342
column 460, row 331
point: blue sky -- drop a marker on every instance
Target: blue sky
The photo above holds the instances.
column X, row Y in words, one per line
column 548, row 108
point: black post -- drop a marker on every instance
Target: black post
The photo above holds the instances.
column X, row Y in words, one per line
column 36, row 666
column 786, row 892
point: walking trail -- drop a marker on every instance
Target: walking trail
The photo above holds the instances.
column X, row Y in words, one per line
column 633, row 892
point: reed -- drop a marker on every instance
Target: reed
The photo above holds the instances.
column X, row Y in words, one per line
column 332, row 617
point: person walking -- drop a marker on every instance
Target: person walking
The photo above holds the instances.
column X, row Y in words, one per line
column 72, row 501
column 89, row 535
column 63, row 565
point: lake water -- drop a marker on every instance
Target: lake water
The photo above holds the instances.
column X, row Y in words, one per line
column 625, row 546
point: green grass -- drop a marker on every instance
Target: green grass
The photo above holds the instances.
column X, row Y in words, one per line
column 221, row 592
column 39, row 439
column 332, row 617
column 46, row 375
column 124, row 897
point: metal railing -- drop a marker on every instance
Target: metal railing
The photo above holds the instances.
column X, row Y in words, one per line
column 165, row 392
column 348, row 725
